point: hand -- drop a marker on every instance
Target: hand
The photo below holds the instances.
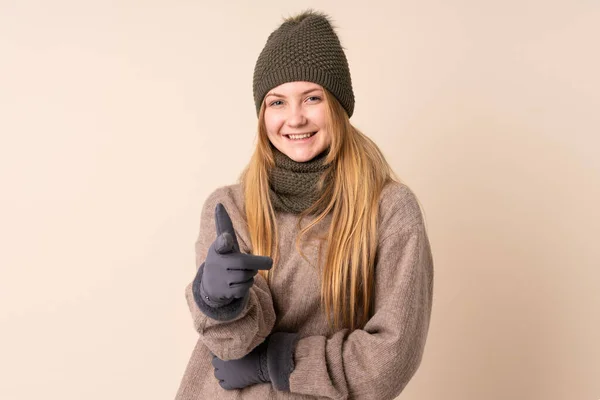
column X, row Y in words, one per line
column 228, row 273
column 271, row 361
column 248, row 370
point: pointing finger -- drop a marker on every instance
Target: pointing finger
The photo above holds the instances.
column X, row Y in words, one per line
column 223, row 224
column 224, row 243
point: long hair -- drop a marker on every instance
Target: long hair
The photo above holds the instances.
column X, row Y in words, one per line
column 351, row 189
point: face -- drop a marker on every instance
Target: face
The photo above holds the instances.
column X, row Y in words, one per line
column 297, row 108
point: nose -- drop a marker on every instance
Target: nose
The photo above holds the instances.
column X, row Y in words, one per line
column 296, row 116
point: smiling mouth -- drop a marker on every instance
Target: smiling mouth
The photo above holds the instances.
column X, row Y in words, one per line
column 300, row 134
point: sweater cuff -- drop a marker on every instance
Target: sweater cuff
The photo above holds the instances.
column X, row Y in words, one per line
column 225, row 312
column 280, row 358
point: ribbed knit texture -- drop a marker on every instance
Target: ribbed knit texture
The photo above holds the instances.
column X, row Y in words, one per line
column 375, row 362
column 305, row 48
column 293, row 185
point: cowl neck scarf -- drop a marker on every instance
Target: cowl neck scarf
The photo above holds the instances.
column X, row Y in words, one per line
column 293, row 185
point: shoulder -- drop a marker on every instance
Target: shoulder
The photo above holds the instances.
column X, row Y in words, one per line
column 227, row 195
column 399, row 209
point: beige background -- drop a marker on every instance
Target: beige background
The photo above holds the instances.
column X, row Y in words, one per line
column 119, row 118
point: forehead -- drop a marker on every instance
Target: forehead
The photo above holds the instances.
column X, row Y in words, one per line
column 292, row 88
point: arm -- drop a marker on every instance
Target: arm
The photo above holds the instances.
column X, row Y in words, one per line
column 378, row 361
column 233, row 330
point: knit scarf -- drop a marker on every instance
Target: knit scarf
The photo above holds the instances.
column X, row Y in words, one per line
column 293, row 185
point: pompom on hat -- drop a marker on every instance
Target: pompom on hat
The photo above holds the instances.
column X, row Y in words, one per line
column 305, row 47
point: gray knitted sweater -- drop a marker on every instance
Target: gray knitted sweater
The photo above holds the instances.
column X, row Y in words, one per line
column 375, row 362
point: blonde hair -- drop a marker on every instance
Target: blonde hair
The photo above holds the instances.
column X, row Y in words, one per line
column 357, row 174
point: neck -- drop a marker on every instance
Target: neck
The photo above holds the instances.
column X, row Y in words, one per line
column 293, row 184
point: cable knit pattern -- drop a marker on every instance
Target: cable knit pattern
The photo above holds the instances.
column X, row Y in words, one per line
column 293, row 184
column 305, row 48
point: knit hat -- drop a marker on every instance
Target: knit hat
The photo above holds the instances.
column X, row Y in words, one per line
column 304, row 48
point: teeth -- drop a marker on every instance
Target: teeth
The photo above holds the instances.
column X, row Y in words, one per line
column 300, row 136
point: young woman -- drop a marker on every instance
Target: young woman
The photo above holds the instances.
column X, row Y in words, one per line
column 314, row 272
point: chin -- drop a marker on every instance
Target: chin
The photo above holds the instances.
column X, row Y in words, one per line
column 301, row 159
column 301, row 156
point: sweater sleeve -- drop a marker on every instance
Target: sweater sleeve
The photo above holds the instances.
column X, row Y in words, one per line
column 378, row 361
column 231, row 331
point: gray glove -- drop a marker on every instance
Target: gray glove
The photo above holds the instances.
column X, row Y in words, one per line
column 249, row 370
column 270, row 361
column 228, row 274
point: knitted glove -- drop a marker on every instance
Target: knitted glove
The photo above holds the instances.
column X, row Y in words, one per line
column 227, row 274
column 271, row 361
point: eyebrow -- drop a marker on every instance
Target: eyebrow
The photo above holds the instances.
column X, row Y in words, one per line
column 303, row 93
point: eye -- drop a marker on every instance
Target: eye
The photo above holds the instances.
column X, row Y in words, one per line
column 273, row 103
column 314, row 97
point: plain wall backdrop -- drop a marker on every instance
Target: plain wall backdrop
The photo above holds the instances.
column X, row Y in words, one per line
column 117, row 119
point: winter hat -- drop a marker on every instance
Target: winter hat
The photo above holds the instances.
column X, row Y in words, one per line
column 305, row 47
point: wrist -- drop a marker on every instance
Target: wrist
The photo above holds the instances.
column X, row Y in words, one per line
column 263, row 373
column 225, row 312
column 211, row 300
column 280, row 358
